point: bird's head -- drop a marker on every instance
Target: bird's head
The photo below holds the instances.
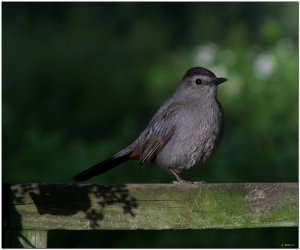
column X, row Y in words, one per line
column 199, row 82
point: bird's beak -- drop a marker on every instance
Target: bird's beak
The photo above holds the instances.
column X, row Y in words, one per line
column 218, row 80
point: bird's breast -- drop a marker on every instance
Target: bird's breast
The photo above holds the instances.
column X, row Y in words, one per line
column 199, row 129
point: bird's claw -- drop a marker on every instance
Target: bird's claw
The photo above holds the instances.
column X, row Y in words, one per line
column 188, row 182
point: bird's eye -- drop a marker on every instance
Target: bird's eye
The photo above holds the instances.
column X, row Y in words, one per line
column 198, row 81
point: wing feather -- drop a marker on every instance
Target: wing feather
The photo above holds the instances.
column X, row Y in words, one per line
column 159, row 131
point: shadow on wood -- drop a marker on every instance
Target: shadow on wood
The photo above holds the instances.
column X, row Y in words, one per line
column 59, row 200
column 33, row 209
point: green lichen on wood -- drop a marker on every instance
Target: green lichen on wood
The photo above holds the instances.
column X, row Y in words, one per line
column 153, row 206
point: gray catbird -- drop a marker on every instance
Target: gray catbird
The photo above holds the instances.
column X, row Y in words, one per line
column 185, row 130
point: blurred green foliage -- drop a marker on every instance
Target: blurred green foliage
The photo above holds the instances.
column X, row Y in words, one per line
column 81, row 81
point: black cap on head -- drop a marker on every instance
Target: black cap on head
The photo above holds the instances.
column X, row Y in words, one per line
column 198, row 71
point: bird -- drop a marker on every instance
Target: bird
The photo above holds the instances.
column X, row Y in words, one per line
column 184, row 132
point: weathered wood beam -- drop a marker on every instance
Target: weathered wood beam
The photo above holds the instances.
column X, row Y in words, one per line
column 151, row 206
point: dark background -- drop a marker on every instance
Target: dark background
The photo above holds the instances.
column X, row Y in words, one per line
column 81, row 81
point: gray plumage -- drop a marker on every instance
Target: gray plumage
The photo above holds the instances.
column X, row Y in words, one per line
column 186, row 129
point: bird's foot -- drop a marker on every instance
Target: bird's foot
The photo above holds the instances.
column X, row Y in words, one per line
column 189, row 182
column 181, row 181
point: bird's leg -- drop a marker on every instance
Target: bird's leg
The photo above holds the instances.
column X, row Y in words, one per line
column 179, row 180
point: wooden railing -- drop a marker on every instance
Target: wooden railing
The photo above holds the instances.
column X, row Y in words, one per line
column 30, row 210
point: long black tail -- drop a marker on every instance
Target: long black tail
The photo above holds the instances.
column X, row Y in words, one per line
column 102, row 167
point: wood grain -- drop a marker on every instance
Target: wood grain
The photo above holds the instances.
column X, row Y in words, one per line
column 151, row 206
